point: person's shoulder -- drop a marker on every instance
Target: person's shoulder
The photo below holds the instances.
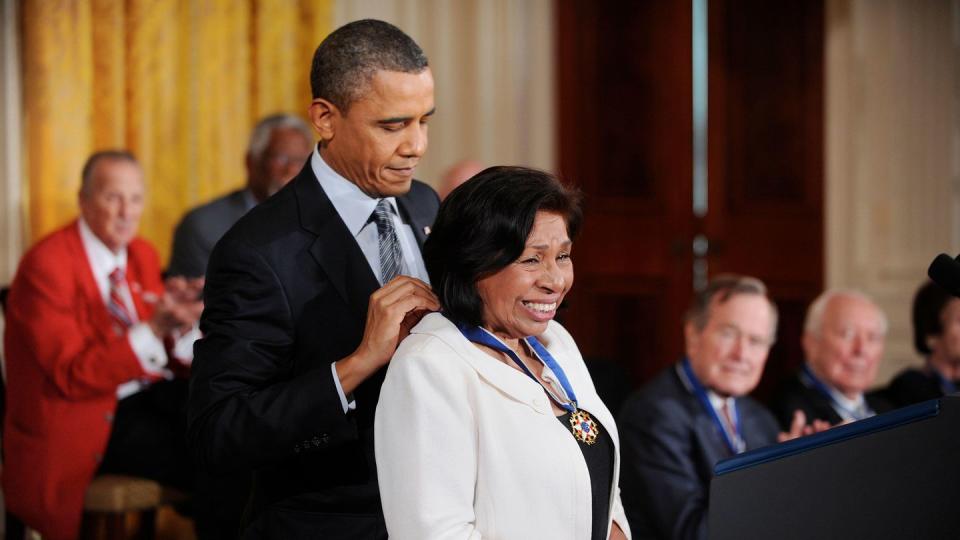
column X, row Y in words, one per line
column 660, row 399
column 434, row 344
column 225, row 204
column 422, row 197
column 55, row 246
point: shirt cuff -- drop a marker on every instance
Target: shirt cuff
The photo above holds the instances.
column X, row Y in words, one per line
column 148, row 348
column 183, row 345
column 347, row 405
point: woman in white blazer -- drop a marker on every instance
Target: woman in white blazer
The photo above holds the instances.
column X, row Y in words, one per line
column 488, row 424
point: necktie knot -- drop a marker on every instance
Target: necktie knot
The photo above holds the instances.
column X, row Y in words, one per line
column 116, row 277
column 382, row 214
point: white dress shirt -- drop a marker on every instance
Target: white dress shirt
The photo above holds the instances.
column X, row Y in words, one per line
column 145, row 344
column 355, row 208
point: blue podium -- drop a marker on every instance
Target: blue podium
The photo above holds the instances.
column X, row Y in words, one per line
column 896, row 476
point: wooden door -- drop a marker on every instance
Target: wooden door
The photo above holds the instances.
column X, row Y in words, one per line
column 626, row 132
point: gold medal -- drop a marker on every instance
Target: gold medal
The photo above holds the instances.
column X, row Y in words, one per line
column 583, row 426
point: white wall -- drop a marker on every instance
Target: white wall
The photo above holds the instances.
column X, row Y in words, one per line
column 11, row 177
column 892, row 151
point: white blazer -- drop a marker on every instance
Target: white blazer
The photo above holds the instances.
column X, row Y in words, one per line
column 468, row 447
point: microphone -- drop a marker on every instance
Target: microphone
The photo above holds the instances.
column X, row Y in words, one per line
column 945, row 272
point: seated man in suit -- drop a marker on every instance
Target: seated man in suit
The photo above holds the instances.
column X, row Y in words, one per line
column 697, row 412
column 936, row 336
column 87, row 316
column 843, row 341
column 279, row 146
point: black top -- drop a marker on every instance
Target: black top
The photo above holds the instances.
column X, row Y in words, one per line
column 599, row 458
column 913, row 386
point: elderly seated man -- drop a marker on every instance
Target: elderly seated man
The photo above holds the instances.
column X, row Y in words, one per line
column 843, row 341
column 697, row 412
column 88, row 381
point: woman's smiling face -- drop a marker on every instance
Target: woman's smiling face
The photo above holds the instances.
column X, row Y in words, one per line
column 520, row 299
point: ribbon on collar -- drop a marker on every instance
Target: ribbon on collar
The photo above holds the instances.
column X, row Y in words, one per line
column 482, row 336
column 946, row 385
column 733, row 441
column 812, row 381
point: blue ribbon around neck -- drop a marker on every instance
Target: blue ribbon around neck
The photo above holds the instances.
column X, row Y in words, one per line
column 814, row 382
column 946, row 385
column 735, row 444
column 482, row 336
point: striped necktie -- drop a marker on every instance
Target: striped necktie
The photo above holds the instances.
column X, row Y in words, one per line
column 116, row 305
column 391, row 259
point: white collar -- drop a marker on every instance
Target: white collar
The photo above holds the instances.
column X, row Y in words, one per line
column 102, row 260
column 839, row 397
column 717, row 401
column 353, row 205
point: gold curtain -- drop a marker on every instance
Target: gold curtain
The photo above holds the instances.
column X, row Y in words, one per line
column 178, row 82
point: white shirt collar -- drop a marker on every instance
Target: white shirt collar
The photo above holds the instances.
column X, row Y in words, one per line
column 717, row 401
column 353, row 205
column 102, row 260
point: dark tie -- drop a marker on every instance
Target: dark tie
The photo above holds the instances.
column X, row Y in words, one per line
column 391, row 259
column 116, row 306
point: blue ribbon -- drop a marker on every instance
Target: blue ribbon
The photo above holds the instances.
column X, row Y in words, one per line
column 735, row 444
column 480, row 335
column 814, row 382
column 946, row 385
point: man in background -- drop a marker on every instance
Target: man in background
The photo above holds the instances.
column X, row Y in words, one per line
column 279, row 146
column 88, row 384
column 697, row 412
column 310, row 292
column 843, row 341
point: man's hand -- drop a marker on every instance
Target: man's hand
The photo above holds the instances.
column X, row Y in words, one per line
column 178, row 308
column 392, row 311
column 799, row 427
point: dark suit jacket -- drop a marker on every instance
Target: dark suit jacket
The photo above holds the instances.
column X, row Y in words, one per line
column 199, row 230
column 793, row 395
column 669, row 446
column 286, row 295
column 912, row 386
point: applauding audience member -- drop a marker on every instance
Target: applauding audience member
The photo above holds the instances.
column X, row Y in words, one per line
column 843, row 341
column 88, row 381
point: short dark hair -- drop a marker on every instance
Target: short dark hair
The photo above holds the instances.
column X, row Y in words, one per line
column 346, row 61
column 482, row 227
column 86, row 174
column 722, row 288
column 928, row 305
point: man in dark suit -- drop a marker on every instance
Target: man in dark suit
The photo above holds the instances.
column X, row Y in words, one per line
column 302, row 307
column 696, row 412
column 843, row 341
column 279, row 145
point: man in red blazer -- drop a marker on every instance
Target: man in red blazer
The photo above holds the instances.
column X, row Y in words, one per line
column 87, row 316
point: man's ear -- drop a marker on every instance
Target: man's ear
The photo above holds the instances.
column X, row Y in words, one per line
column 322, row 115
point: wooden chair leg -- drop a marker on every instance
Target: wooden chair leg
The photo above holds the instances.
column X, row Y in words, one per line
column 147, row 529
column 116, row 526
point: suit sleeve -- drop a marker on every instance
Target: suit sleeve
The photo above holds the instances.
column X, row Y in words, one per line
column 659, row 478
column 426, row 448
column 246, row 407
column 50, row 319
column 189, row 255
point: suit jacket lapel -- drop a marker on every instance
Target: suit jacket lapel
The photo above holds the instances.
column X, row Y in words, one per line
column 412, row 214
column 334, row 249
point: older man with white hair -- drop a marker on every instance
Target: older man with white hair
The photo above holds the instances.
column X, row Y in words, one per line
column 843, row 342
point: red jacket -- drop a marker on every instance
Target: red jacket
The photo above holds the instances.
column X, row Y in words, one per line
column 64, row 363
